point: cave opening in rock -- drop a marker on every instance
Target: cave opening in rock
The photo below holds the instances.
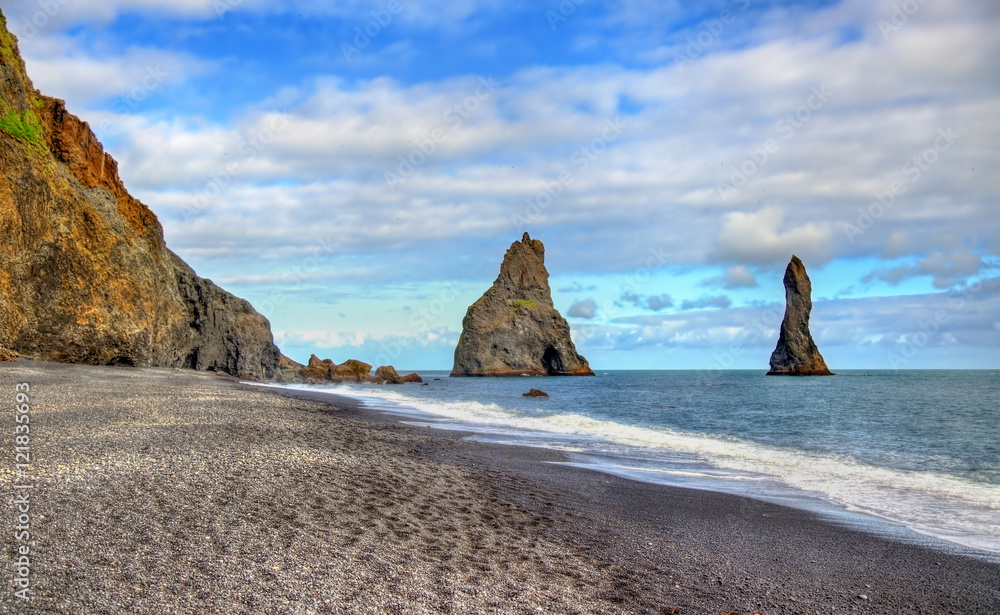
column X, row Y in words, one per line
column 552, row 361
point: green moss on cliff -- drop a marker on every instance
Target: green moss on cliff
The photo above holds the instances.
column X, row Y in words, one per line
column 524, row 303
column 6, row 41
column 24, row 126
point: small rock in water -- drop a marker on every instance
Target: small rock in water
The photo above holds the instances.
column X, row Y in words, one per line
column 535, row 393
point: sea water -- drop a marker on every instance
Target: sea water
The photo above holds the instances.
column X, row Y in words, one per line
column 916, row 449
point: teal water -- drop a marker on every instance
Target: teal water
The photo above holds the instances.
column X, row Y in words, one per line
column 916, row 448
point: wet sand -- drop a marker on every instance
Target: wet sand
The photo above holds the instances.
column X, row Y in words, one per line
column 170, row 491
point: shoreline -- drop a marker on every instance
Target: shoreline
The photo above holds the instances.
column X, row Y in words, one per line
column 179, row 490
column 772, row 489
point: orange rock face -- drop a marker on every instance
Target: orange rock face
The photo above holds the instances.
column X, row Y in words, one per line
column 85, row 275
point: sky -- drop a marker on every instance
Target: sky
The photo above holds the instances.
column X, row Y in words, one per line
column 357, row 169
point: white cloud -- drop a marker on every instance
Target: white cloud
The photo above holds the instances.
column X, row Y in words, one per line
column 583, row 309
column 737, row 276
column 122, row 82
column 760, row 238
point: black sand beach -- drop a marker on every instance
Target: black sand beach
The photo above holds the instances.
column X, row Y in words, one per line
column 170, row 491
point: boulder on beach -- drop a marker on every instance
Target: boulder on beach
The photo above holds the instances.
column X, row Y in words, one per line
column 514, row 329
column 317, row 369
column 387, row 374
column 414, row 377
column 796, row 353
column 535, row 393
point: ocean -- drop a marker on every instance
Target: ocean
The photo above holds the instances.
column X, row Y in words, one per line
column 915, row 453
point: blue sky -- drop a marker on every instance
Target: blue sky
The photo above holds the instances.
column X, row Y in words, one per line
column 357, row 169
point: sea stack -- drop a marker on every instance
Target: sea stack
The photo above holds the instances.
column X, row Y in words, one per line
column 85, row 274
column 796, row 353
column 513, row 329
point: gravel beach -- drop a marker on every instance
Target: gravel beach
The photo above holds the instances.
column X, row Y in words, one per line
column 174, row 491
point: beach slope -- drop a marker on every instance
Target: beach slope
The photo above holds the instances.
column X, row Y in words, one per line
column 166, row 490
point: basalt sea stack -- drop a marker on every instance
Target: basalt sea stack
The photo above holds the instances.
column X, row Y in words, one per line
column 796, row 353
column 514, row 329
column 85, row 275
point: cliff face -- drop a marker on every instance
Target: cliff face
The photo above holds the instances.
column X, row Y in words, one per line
column 85, row 275
column 796, row 353
column 513, row 328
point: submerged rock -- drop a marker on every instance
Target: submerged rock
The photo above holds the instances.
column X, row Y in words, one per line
column 796, row 353
column 85, row 274
column 535, row 393
column 514, row 329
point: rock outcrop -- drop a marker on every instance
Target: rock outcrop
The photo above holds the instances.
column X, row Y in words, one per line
column 351, row 370
column 321, row 371
column 514, row 329
column 535, row 393
column 796, row 353
column 388, row 374
column 85, row 275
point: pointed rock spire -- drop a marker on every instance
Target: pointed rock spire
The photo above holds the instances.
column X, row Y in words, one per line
column 796, row 353
column 514, row 329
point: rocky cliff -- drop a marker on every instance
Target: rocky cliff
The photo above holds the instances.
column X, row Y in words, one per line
column 514, row 329
column 85, row 275
column 796, row 353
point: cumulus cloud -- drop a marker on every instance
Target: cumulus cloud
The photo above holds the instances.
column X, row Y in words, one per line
column 762, row 238
column 647, row 302
column 491, row 173
column 737, row 276
column 122, row 81
column 586, row 308
column 945, row 268
column 659, row 302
